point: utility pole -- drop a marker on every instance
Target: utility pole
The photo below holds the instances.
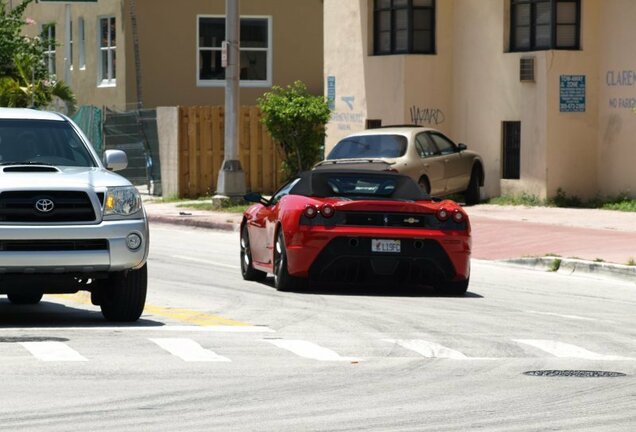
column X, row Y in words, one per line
column 231, row 181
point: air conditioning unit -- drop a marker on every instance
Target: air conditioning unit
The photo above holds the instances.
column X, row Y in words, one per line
column 526, row 69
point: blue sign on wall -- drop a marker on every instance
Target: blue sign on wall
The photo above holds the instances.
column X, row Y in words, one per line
column 331, row 92
column 572, row 93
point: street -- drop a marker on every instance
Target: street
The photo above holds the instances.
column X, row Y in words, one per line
column 213, row 352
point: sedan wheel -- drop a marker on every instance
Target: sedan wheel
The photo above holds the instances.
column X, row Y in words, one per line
column 283, row 281
column 247, row 270
column 423, row 184
column 471, row 196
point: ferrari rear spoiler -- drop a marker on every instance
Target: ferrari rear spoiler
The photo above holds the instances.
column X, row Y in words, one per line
column 365, row 164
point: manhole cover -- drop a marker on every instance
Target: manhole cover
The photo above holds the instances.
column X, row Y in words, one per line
column 31, row 339
column 575, row 373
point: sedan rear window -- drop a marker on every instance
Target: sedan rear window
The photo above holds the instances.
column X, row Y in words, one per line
column 369, row 146
column 42, row 142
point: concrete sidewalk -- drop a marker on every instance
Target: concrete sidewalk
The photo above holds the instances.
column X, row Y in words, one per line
column 583, row 239
column 505, row 232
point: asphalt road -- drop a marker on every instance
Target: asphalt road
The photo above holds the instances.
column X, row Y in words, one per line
column 213, row 352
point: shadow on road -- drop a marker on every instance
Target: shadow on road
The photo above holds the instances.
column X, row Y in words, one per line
column 56, row 315
column 373, row 290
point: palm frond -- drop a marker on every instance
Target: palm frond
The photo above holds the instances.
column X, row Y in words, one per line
column 64, row 92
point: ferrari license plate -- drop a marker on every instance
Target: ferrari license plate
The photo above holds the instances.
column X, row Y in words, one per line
column 392, row 246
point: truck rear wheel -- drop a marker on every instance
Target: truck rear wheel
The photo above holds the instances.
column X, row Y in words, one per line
column 123, row 295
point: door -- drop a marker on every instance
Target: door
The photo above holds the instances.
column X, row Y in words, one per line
column 457, row 169
column 257, row 228
column 262, row 228
column 431, row 163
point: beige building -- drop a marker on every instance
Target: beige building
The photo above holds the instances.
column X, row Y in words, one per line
column 543, row 89
column 174, row 48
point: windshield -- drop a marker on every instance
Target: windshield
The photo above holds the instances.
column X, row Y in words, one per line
column 42, row 142
column 369, row 146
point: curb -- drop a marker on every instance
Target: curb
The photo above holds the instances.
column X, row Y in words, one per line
column 571, row 266
column 193, row 221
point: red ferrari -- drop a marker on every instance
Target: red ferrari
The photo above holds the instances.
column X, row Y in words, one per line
column 352, row 226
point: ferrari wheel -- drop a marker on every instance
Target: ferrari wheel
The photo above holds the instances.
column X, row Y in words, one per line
column 247, row 270
column 452, row 288
column 283, row 281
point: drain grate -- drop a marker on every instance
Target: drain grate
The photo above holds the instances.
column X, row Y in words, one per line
column 31, row 339
column 575, row 373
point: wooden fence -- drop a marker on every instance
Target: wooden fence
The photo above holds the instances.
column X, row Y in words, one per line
column 201, row 149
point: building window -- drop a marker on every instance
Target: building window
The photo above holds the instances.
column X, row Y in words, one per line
column 511, row 150
column 48, row 35
column 404, row 27
column 107, row 51
column 256, row 51
column 82, row 44
column 545, row 24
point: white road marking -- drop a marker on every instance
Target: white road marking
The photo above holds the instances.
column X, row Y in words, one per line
column 564, row 350
column 429, row 349
column 204, row 261
column 52, row 351
column 309, row 350
column 188, row 350
column 574, row 317
column 167, row 328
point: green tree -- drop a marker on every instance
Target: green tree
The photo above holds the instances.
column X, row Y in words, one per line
column 296, row 120
column 24, row 78
column 13, row 42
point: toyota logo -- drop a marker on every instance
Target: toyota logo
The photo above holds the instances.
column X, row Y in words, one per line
column 44, row 205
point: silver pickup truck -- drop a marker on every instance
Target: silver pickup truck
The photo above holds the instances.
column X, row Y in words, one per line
column 67, row 223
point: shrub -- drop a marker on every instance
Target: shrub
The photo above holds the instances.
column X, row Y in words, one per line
column 296, row 120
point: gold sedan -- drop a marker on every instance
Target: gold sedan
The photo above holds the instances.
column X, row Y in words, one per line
column 429, row 157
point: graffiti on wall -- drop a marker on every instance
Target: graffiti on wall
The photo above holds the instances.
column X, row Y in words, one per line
column 427, row 116
column 622, row 79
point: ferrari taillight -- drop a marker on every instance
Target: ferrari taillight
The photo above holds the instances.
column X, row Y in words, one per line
column 458, row 216
column 327, row 210
column 310, row 211
column 443, row 214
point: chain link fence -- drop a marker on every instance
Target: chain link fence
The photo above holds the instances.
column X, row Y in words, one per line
column 134, row 132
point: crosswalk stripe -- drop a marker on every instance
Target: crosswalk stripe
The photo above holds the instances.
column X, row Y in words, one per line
column 564, row 350
column 188, row 350
column 428, row 349
column 52, row 351
column 309, row 350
